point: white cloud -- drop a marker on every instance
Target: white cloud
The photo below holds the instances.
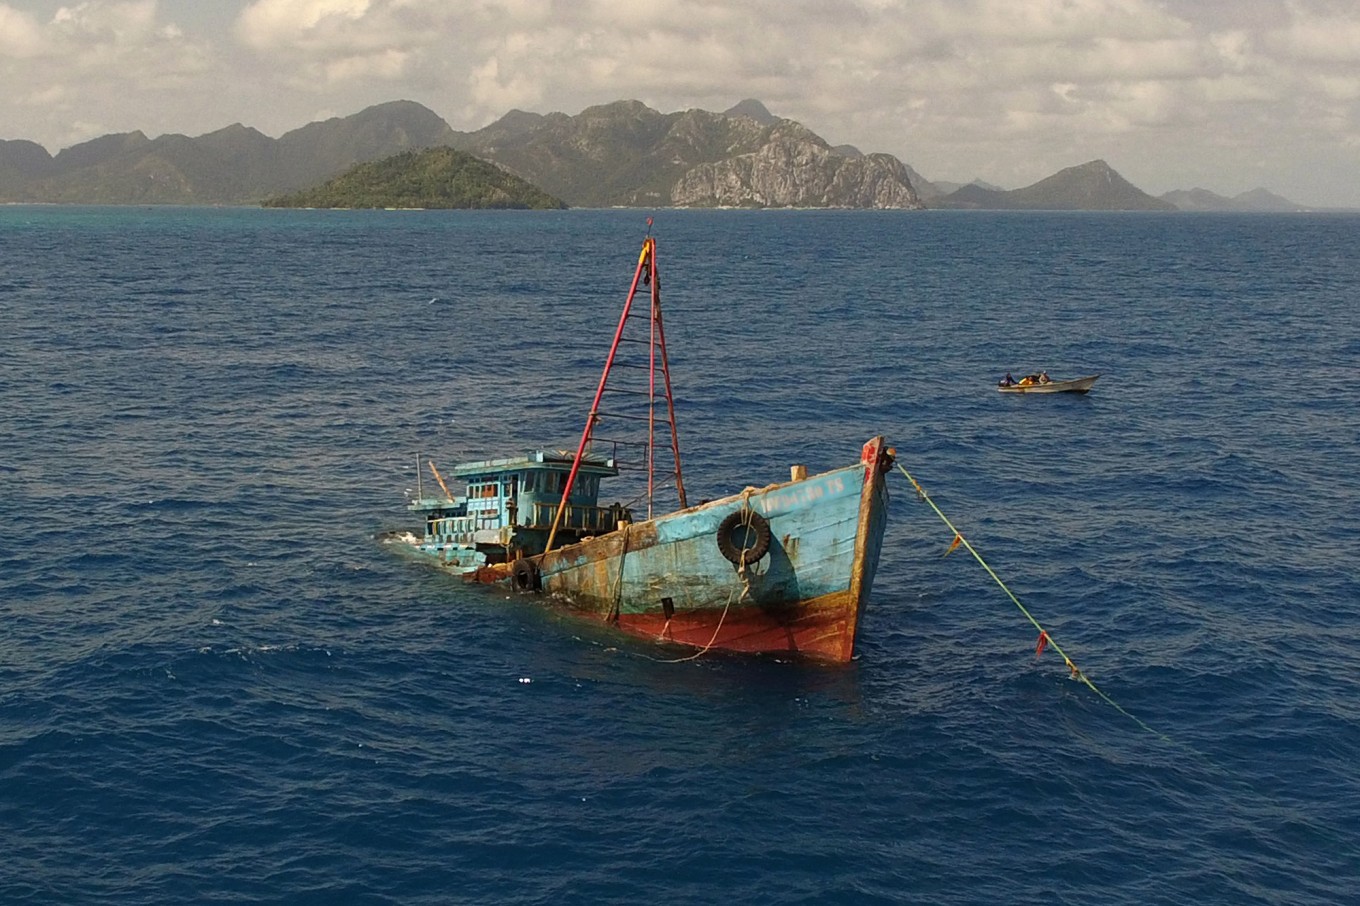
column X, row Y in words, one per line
column 814, row 59
column 90, row 65
column 270, row 24
column 95, row 37
column 121, row 21
column 1338, row 87
column 1327, row 39
column 388, row 65
column 20, row 35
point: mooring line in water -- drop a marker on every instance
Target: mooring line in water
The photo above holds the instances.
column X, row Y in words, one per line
column 1045, row 640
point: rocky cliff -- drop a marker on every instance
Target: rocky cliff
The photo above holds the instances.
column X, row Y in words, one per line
column 792, row 167
column 628, row 154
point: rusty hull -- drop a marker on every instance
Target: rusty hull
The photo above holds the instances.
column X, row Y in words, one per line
column 666, row 580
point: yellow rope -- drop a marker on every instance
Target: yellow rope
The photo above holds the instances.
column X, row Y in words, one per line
column 704, row 650
column 1044, row 637
column 742, row 571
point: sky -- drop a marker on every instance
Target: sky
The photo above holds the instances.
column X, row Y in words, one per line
column 1226, row 95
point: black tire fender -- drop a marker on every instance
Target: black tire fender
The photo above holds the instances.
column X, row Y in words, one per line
column 744, row 537
column 524, row 575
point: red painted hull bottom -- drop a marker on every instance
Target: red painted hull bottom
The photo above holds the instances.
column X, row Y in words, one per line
column 663, row 580
column 821, row 629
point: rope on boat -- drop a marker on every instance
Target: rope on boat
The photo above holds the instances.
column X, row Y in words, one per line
column 744, row 573
column 1045, row 640
column 704, row 650
column 618, row 584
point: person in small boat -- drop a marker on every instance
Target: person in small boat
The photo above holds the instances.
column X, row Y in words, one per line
column 1007, row 381
column 1028, row 380
column 1043, row 377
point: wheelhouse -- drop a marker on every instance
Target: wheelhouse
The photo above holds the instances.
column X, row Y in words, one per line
column 509, row 504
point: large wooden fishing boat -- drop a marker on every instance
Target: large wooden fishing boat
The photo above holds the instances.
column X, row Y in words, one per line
column 780, row 569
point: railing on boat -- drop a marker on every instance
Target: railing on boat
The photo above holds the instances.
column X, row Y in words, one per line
column 461, row 528
column 599, row 519
column 579, row 517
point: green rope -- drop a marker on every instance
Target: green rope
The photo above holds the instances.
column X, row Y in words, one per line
column 1044, row 637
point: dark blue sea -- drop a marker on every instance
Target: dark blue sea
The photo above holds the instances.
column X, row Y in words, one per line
column 216, row 686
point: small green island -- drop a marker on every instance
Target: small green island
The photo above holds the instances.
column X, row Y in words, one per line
column 435, row 178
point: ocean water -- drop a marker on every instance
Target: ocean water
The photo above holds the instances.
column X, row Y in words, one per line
column 216, row 686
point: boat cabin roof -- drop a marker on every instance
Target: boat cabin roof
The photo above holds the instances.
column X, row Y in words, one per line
column 537, row 460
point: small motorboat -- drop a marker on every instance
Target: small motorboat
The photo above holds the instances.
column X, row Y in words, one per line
column 1041, row 383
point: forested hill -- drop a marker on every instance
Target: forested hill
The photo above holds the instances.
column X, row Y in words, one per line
column 433, row 178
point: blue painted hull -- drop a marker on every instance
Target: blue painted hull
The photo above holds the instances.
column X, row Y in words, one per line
column 666, row 579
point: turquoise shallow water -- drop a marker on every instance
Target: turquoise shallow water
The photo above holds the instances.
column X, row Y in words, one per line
column 216, row 687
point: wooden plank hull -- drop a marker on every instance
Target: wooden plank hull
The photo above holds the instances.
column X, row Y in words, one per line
column 667, row 580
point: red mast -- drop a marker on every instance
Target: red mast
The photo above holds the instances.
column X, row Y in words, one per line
column 645, row 274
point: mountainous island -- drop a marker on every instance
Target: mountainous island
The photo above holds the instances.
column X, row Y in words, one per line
column 623, row 154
